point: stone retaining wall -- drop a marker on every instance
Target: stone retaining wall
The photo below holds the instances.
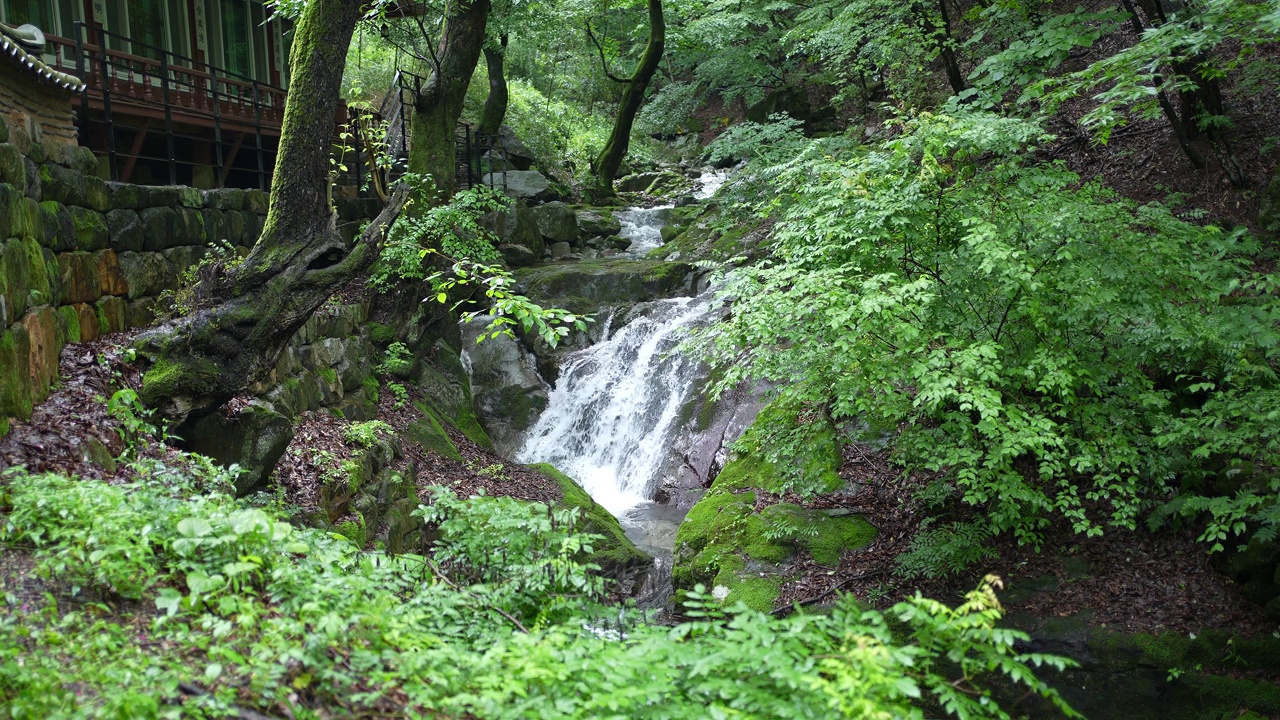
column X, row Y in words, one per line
column 81, row 257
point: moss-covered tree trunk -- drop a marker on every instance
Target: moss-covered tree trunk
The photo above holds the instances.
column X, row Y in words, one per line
column 610, row 158
column 495, row 106
column 247, row 316
column 439, row 103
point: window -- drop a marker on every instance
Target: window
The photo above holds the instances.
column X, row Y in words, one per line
column 34, row 12
column 237, row 48
column 147, row 27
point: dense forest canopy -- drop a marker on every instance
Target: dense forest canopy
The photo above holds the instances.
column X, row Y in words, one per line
column 1026, row 249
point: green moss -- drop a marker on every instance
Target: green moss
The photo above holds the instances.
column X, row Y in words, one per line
column 430, row 434
column 468, row 424
column 616, row 548
column 4, row 426
column 1219, row 693
column 835, row 535
column 759, row 593
column 71, row 321
column 759, row 546
column 104, row 324
column 15, row 396
column 355, row 531
column 748, row 470
column 329, row 375
column 381, row 335
column 168, row 378
column 39, row 278
column 372, row 389
column 714, row 515
column 722, row 532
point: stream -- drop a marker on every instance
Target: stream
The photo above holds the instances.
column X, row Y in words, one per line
column 614, row 414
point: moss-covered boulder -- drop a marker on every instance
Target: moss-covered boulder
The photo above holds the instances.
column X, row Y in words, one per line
column 599, row 222
column 703, row 236
column 591, row 285
column 557, row 223
column 616, row 555
column 740, row 547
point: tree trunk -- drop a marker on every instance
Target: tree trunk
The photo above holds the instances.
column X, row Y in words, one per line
column 300, row 260
column 1178, row 124
column 439, row 103
column 495, row 106
column 942, row 36
column 610, row 158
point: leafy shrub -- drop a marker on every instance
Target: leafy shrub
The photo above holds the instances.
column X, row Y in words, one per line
column 365, row 434
column 397, row 360
column 452, row 229
column 1008, row 321
column 492, row 625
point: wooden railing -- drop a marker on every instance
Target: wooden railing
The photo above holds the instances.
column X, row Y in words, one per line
column 128, row 92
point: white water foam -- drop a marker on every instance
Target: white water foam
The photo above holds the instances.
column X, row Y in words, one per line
column 612, row 413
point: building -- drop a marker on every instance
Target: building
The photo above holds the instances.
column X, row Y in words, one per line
column 178, row 92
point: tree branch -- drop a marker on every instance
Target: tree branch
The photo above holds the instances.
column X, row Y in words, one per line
column 603, row 63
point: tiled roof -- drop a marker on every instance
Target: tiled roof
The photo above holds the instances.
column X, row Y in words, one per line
column 24, row 45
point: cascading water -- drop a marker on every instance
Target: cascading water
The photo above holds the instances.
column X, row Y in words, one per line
column 610, row 417
column 615, row 412
column 643, row 226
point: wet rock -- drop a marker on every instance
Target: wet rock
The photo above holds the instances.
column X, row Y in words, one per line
column 253, row 438
column 508, row 392
column 599, row 222
column 557, row 223
column 590, row 285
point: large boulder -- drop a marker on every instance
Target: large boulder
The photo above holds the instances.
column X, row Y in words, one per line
column 522, row 185
column 557, row 223
column 599, row 222
column 508, row 392
column 517, row 225
column 638, row 182
column 591, row 285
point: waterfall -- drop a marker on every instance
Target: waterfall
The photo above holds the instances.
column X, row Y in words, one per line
column 611, row 417
column 643, row 226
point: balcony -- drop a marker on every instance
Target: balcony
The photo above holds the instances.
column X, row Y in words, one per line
column 162, row 118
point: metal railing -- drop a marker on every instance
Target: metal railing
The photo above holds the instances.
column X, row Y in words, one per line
column 135, row 92
column 474, row 153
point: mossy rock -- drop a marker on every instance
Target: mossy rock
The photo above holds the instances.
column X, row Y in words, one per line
column 701, row 237
column 608, row 282
column 430, row 434
column 615, row 553
column 724, row 542
column 451, row 401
